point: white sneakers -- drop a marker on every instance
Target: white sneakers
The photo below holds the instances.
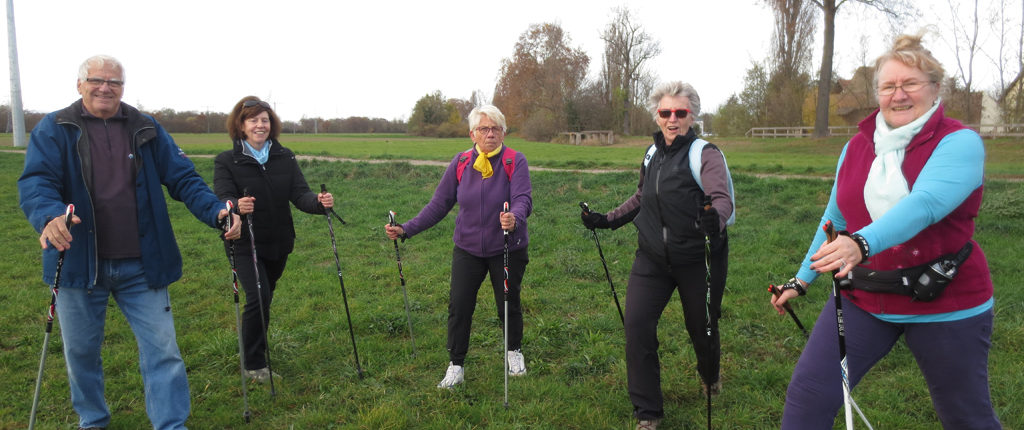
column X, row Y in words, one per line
column 516, row 363
column 453, row 376
column 456, row 374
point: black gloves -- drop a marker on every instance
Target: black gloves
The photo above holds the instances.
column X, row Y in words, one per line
column 709, row 221
column 592, row 220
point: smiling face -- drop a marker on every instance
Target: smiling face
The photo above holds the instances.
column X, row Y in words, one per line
column 901, row 108
column 487, row 134
column 674, row 125
column 104, row 99
column 257, row 129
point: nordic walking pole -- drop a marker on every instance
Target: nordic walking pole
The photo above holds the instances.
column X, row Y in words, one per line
column 830, row 233
column 707, row 300
column 586, row 208
column 69, row 212
column 504, row 209
column 238, row 316
column 405, row 294
column 341, row 280
column 777, row 292
column 259, row 297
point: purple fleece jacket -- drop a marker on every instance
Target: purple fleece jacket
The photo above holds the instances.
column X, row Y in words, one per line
column 477, row 226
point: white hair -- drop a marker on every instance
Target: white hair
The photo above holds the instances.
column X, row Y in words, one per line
column 490, row 111
column 98, row 61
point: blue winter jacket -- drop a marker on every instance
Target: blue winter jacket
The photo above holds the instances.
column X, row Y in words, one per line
column 58, row 171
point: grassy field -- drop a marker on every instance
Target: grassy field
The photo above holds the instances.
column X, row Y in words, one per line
column 573, row 338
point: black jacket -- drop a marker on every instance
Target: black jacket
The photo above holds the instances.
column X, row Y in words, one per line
column 274, row 184
column 667, row 206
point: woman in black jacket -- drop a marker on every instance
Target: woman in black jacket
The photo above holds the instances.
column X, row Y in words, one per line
column 680, row 173
column 260, row 176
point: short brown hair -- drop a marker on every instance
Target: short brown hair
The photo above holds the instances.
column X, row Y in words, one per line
column 236, row 120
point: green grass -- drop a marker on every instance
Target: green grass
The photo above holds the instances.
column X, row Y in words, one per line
column 573, row 338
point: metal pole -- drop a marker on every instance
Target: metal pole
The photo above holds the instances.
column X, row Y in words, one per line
column 17, row 110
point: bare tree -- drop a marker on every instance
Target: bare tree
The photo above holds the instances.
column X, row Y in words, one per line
column 892, row 9
column 965, row 47
column 1000, row 23
column 793, row 38
column 627, row 49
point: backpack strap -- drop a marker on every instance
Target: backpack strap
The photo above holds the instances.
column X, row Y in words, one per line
column 508, row 161
column 463, row 162
column 650, row 154
column 696, row 152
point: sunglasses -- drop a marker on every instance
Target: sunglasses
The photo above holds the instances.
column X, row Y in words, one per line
column 251, row 103
column 680, row 113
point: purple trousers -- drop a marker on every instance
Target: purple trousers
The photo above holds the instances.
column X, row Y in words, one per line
column 952, row 356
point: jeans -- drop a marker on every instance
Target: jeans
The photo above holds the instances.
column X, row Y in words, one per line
column 82, row 312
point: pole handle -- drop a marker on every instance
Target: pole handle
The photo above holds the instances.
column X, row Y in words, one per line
column 231, row 209
column 69, row 212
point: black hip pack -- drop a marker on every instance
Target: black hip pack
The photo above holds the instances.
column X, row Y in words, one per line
column 924, row 282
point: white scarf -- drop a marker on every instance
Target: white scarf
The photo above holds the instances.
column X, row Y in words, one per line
column 886, row 185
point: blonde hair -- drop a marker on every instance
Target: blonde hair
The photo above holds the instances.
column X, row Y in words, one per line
column 908, row 50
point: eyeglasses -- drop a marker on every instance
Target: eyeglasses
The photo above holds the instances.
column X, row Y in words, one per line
column 114, row 84
column 251, row 103
column 680, row 113
column 487, row 130
column 908, row 87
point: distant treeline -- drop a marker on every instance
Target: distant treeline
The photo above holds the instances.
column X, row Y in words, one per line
column 213, row 122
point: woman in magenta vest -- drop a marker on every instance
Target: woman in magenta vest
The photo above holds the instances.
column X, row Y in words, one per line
column 481, row 180
column 907, row 190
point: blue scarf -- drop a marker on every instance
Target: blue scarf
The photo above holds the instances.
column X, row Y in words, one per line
column 260, row 155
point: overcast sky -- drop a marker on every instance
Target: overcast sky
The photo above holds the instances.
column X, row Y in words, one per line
column 340, row 58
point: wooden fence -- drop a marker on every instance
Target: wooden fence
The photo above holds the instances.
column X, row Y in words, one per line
column 985, row 130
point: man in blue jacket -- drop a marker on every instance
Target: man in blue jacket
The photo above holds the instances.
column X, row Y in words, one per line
column 110, row 161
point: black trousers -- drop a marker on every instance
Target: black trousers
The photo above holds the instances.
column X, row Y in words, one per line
column 253, row 342
column 468, row 272
column 651, row 285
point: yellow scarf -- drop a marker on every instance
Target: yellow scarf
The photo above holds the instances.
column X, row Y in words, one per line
column 482, row 164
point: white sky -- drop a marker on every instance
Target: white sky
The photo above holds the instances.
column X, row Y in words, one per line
column 341, row 58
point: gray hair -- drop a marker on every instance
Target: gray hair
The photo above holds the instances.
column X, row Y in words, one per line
column 674, row 89
column 98, row 61
column 490, row 111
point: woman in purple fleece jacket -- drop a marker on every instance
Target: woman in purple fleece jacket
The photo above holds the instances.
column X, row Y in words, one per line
column 481, row 180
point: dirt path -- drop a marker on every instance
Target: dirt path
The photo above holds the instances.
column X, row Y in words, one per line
column 535, row 168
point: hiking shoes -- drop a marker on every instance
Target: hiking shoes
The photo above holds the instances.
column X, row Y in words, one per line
column 716, row 388
column 647, row 424
column 516, row 363
column 261, row 375
column 453, row 376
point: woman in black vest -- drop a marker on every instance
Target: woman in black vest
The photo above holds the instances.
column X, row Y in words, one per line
column 261, row 177
column 672, row 224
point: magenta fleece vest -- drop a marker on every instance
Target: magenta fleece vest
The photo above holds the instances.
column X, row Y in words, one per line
column 973, row 285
